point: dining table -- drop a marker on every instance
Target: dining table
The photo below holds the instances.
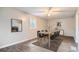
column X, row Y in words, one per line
column 49, row 33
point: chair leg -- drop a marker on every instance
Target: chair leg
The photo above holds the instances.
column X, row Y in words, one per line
column 40, row 41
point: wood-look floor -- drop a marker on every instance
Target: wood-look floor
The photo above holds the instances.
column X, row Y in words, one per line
column 67, row 45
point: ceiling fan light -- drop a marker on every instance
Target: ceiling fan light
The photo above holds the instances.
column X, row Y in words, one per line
column 49, row 14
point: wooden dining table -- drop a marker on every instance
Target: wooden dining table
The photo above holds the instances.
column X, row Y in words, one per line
column 51, row 33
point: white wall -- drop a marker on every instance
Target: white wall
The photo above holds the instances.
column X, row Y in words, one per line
column 68, row 24
column 9, row 38
column 77, row 28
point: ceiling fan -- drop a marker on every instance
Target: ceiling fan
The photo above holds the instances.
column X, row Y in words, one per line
column 48, row 14
column 51, row 10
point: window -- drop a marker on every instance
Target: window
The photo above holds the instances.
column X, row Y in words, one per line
column 32, row 23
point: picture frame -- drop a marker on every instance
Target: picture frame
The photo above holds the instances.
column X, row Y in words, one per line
column 61, row 32
column 16, row 25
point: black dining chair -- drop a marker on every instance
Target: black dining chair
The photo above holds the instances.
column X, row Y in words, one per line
column 46, row 35
column 40, row 36
column 46, row 31
column 38, row 33
column 55, row 35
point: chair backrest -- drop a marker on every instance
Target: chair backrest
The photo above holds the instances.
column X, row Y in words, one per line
column 46, row 31
column 57, row 33
column 38, row 33
column 42, row 30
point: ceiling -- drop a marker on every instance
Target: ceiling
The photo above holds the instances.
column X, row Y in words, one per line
column 50, row 12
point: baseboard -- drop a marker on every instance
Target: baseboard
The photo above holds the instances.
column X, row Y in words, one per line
column 67, row 36
column 14, row 43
